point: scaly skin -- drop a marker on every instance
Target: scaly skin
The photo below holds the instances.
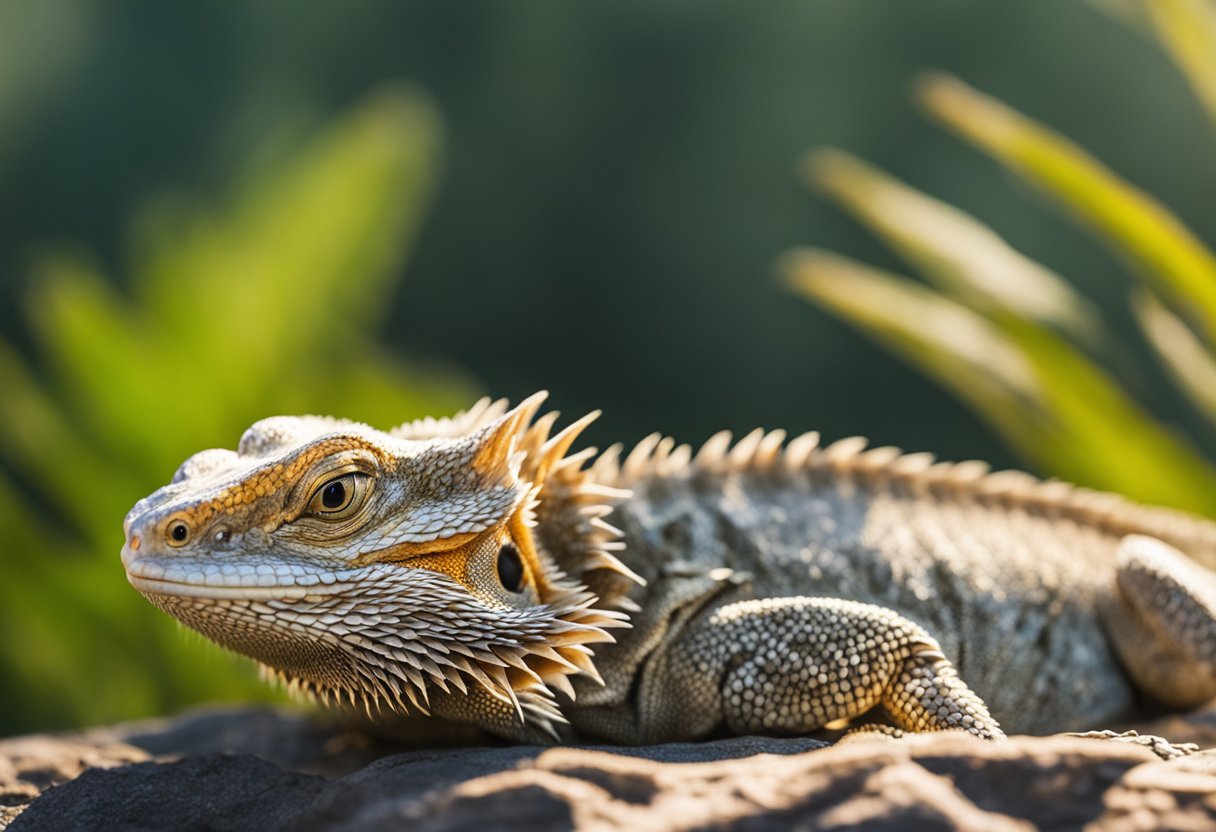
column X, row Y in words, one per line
column 463, row 568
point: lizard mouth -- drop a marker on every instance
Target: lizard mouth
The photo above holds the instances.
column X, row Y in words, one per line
column 157, row 576
column 159, row 586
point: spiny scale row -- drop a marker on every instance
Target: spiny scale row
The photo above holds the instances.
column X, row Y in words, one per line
column 658, row 456
column 889, row 468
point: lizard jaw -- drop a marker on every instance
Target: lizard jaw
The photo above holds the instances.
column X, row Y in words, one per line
column 182, row 589
column 387, row 638
column 203, row 578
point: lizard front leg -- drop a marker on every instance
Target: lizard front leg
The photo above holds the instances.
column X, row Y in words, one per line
column 794, row 665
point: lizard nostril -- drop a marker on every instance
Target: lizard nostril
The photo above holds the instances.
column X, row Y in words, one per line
column 134, row 543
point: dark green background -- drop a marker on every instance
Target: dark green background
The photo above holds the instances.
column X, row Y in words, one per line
column 617, row 177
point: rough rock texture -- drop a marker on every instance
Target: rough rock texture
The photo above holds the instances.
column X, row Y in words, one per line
column 266, row 770
column 30, row 765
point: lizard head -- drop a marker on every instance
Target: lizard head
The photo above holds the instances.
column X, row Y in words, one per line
column 377, row 568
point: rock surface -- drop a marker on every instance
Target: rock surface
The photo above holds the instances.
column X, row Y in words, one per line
column 262, row 769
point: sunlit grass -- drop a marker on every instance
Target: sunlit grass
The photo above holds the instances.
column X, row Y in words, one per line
column 1009, row 336
column 1137, row 226
column 1187, row 31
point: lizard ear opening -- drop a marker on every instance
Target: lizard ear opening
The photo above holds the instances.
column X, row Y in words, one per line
column 518, row 564
column 510, row 568
column 560, row 529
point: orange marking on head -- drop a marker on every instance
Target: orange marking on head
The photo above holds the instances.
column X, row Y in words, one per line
column 408, row 551
column 450, row 555
column 457, row 561
column 453, row 563
column 270, row 480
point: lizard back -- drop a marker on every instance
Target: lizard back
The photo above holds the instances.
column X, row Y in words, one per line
column 1008, row 572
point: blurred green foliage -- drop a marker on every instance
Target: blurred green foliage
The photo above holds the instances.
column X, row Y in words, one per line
column 270, row 304
column 1009, row 336
column 616, row 177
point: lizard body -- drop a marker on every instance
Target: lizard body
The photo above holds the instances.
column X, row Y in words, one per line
column 464, row 567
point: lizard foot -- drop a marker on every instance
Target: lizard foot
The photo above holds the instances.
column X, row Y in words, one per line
column 1165, row 628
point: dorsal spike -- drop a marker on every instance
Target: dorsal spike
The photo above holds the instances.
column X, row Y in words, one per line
column 713, row 451
column 844, row 450
column 679, row 459
column 799, row 451
column 912, row 464
column 658, row 459
column 555, row 449
column 484, row 411
column 768, row 449
column 537, row 434
column 741, row 455
column 635, row 464
column 607, row 466
column 497, row 441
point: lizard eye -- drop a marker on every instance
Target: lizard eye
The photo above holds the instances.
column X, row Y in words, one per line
column 510, row 568
column 339, row 497
column 178, row 533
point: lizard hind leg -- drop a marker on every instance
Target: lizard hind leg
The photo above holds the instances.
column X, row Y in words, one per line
column 1165, row 628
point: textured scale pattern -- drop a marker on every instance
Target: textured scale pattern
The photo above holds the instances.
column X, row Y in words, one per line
column 794, row 665
column 760, row 586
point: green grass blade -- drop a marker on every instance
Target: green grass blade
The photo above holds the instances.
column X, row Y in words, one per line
column 1187, row 28
column 960, row 349
column 1055, row 408
column 961, row 255
column 1184, row 356
column 1129, row 220
column 1187, row 31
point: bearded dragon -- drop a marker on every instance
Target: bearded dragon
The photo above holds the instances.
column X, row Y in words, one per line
column 464, row 568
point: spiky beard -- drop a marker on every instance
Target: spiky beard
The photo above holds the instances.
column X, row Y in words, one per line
column 383, row 639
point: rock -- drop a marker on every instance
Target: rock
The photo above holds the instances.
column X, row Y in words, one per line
column 266, row 769
column 215, row 791
column 1198, row 727
column 315, row 742
column 30, row 765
